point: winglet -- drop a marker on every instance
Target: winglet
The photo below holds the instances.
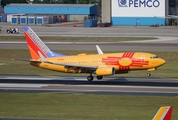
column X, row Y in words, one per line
column 164, row 113
column 99, row 50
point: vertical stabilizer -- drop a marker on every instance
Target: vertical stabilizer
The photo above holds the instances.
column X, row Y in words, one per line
column 36, row 45
column 164, row 113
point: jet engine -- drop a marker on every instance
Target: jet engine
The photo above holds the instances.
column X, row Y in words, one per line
column 105, row 71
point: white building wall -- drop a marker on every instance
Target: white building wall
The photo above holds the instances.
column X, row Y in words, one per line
column 138, row 12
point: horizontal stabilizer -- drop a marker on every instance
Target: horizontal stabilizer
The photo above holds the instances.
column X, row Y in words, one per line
column 36, row 61
column 42, row 57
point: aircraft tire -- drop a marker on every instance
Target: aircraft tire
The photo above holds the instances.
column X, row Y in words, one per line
column 148, row 74
column 99, row 77
column 8, row 32
column 90, row 78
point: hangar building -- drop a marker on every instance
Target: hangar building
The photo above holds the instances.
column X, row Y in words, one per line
column 135, row 12
column 117, row 12
column 73, row 11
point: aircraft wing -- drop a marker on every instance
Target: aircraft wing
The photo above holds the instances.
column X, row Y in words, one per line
column 72, row 66
column 75, row 66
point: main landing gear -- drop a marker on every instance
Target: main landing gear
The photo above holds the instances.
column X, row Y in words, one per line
column 90, row 78
column 148, row 74
column 99, row 77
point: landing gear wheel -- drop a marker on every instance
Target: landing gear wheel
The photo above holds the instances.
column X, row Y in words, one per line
column 90, row 78
column 8, row 31
column 148, row 74
column 99, row 77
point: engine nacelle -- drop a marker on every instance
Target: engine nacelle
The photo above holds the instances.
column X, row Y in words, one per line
column 105, row 71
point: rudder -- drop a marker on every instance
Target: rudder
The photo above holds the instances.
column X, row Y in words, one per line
column 164, row 113
column 35, row 45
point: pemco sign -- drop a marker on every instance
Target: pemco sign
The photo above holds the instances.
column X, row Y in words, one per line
column 140, row 8
column 139, row 3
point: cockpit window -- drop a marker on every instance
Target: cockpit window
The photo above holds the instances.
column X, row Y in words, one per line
column 154, row 57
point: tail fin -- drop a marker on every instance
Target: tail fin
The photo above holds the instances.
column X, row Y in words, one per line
column 164, row 113
column 36, row 45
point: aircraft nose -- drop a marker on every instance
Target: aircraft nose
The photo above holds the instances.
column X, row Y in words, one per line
column 162, row 61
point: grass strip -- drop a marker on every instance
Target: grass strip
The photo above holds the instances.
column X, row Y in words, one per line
column 77, row 39
column 83, row 106
column 12, row 62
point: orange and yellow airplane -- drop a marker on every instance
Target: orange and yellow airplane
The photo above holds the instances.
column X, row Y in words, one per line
column 99, row 64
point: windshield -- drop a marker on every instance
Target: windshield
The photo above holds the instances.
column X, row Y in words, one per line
column 154, row 57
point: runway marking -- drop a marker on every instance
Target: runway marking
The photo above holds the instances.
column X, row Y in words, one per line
column 21, row 85
column 74, row 90
column 38, row 78
column 27, row 78
column 114, row 86
column 93, row 86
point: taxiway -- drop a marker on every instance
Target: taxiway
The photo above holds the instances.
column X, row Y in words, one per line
column 104, row 46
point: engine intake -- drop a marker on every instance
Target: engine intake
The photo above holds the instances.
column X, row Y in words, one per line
column 105, row 71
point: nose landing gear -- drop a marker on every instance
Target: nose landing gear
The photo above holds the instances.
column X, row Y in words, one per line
column 148, row 74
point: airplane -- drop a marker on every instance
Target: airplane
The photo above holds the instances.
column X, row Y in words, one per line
column 164, row 113
column 100, row 64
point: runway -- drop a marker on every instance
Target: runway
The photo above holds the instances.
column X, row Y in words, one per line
column 79, row 85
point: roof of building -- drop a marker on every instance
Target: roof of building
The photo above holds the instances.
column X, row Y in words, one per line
column 52, row 5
